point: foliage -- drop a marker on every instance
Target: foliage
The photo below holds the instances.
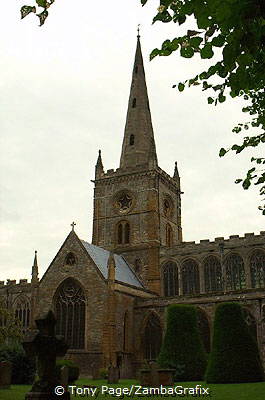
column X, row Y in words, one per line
column 103, row 373
column 237, row 29
column 23, row 369
column 182, row 348
column 43, row 5
column 10, row 326
column 235, row 355
column 73, row 369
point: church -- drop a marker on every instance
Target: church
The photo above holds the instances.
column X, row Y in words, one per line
column 110, row 297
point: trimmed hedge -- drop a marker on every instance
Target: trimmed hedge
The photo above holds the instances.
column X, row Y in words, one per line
column 73, row 369
column 235, row 355
column 182, row 348
column 23, row 368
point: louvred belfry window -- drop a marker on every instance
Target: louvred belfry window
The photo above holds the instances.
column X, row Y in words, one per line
column 213, row 274
column 235, row 272
column 152, row 338
column 123, row 232
column 257, row 269
column 70, row 313
column 190, row 277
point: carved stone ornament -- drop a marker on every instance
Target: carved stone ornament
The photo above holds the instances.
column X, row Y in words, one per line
column 124, row 203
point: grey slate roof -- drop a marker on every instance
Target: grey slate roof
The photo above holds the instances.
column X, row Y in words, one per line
column 123, row 272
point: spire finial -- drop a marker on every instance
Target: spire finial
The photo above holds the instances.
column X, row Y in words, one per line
column 73, row 225
column 35, row 269
column 138, row 30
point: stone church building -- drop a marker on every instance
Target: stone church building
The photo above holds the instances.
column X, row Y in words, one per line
column 110, row 297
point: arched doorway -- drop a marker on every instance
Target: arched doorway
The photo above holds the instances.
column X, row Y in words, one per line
column 152, row 337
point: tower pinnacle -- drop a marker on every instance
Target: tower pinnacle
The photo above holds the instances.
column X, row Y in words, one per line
column 35, row 270
column 138, row 148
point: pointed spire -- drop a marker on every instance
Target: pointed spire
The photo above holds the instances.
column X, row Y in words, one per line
column 176, row 172
column 99, row 170
column 35, row 270
column 111, row 267
column 138, row 146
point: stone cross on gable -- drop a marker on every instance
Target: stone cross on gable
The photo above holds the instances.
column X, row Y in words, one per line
column 45, row 346
column 73, row 226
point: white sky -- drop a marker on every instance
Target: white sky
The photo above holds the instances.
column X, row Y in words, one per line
column 64, row 90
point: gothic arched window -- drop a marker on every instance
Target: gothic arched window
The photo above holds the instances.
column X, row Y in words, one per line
column 131, row 140
column 204, row 329
column 22, row 312
column 213, row 274
column 170, row 275
column 235, row 272
column 126, row 332
column 169, row 236
column 70, row 311
column 257, row 269
column 123, row 232
column 190, row 277
column 70, row 259
column 152, row 337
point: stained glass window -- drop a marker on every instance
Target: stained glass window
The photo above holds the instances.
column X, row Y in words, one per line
column 257, row 269
column 190, row 277
column 212, row 274
column 70, row 313
column 235, row 272
column 170, row 273
column 152, row 337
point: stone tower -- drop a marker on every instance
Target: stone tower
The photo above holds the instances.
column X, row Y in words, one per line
column 137, row 208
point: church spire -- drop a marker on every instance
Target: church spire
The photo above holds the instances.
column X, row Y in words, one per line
column 35, row 270
column 138, row 148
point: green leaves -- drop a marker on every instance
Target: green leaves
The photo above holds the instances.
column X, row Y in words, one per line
column 44, row 4
column 222, row 152
column 26, row 10
column 181, row 87
column 187, row 52
column 210, row 100
column 207, row 51
column 41, row 3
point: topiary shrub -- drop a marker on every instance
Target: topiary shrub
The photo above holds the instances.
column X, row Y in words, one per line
column 23, row 368
column 103, row 373
column 235, row 355
column 182, row 348
column 73, row 369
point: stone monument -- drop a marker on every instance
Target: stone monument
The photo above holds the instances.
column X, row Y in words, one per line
column 5, row 374
column 45, row 346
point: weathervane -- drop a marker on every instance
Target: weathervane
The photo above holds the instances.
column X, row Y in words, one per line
column 138, row 30
column 73, row 226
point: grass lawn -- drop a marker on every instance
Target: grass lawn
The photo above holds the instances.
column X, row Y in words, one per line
column 245, row 391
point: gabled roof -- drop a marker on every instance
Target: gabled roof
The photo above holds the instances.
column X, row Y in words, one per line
column 123, row 272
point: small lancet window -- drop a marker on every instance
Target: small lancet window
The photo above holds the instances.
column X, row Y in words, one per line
column 127, row 233
column 136, row 69
column 123, row 233
column 70, row 259
column 131, row 140
column 134, row 103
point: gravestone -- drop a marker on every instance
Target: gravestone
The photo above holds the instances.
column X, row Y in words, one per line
column 5, row 374
column 113, row 374
column 45, row 346
column 64, row 375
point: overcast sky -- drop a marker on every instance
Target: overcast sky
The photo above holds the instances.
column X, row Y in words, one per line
column 64, row 91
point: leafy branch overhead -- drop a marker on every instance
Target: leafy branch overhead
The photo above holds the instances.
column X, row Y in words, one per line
column 237, row 28
column 43, row 5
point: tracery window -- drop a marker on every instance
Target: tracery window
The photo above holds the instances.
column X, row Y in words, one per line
column 170, row 275
column 213, row 274
column 22, row 312
column 152, row 337
column 204, row 329
column 70, row 313
column 123, row 232
column 70, row 259
column 235, row 272
column 190, row 277
column 257, row 269
column 169, row 236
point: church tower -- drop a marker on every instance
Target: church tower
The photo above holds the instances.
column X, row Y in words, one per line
column 137, row 207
